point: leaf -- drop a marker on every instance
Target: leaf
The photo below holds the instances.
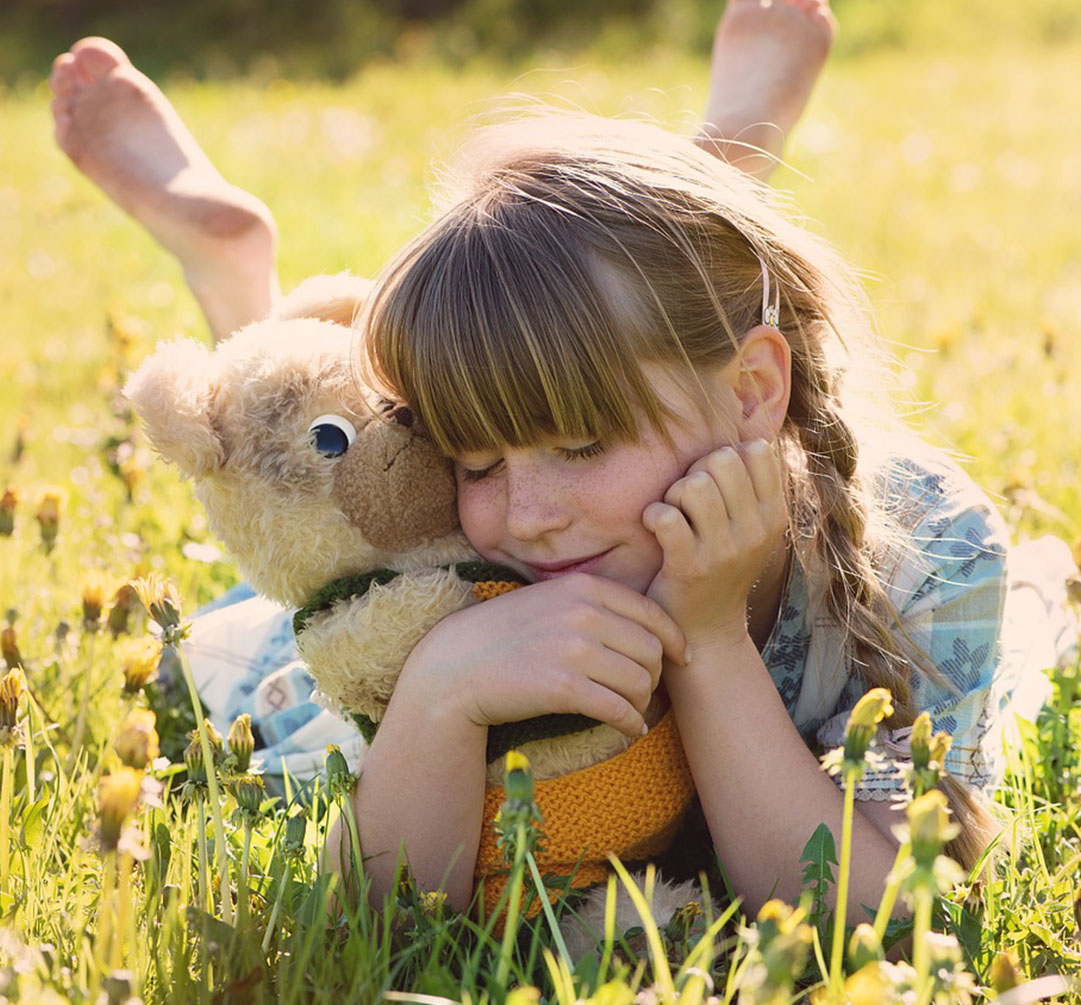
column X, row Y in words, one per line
column 819, row 853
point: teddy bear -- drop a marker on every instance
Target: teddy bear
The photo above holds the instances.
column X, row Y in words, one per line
column 333, row 501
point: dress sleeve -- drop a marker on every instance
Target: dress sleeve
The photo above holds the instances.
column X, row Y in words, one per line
column 949, row 589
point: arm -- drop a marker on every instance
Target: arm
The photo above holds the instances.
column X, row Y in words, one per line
column 575, row 644
column 762, row 791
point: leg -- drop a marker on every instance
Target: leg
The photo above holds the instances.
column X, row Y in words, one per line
column 124, row 135
column 767, row 55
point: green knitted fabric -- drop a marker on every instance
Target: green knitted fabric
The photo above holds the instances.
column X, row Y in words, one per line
column 345, row 588
column 502, row 738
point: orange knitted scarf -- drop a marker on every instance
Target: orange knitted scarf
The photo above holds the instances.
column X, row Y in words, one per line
column 629, row 805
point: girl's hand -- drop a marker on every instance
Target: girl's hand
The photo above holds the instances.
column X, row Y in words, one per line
column 578, row 643
column 717, row 526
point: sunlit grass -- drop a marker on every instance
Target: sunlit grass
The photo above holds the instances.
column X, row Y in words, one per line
column 953, row 173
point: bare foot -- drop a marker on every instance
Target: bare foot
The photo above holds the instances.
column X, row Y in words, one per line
column 124, row 135
column 767, row 55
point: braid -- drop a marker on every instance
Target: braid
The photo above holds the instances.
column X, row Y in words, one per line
column 835, row 531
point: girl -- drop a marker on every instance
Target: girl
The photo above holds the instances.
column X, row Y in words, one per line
column 636, row 363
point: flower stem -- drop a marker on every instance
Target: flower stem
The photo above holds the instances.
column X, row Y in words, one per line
column 510, row 926
column 889, row 897
column 123, row 909
column 212, row 785
column 921, row 950
column 204, row 868
column 5, row 819
column 242, row 891
column 355, row 871
column 837, row 947
column 105, row 911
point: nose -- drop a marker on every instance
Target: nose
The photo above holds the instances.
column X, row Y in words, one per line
column 534, row 506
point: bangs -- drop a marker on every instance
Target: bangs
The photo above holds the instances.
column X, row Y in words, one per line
column 508, row 328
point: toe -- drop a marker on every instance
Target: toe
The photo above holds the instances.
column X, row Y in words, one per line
column 63, row 80
column 96, row 58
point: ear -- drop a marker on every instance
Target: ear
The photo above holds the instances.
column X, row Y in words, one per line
column 763, row 382
column 328, row 298
column 173, row 392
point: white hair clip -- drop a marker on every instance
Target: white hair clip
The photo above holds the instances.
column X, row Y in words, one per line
column 771, row 313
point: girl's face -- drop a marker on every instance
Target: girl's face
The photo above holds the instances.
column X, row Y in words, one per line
column 562, row 506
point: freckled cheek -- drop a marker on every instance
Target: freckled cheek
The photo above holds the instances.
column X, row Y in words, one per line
column 480, row 514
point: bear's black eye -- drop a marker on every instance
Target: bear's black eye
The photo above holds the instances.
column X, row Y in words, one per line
column 332, row 435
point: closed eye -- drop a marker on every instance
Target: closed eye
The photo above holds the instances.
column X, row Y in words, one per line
column 476, row 474
column 581, row 453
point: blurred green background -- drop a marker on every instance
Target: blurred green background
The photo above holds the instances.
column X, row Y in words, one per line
column 940, row 152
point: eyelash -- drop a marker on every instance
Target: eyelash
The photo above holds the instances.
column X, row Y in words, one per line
column 567, row 453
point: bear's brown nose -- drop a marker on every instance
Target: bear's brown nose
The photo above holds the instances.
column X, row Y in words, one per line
column 402, row 415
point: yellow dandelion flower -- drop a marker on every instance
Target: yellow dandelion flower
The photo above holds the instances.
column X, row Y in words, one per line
column 11, row 689
column 139, row 659
column 160, row 599
column 137, row 741
column 47, row 515
column 9, row 647
column 118, row 795
column 96, row 586
column 124, row 602
column 8, row 502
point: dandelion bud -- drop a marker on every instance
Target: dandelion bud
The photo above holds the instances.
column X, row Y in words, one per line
column 124, row 601
column 431, row 903
column 193, row 760
column 241, row 742
column 9, row 646
column 339, row 778
column 137, row 741
column 921, row 740
column 864, row 947
column 193, row 753
column 8, row 502
column 1005, row 972
column 94, row 590
column 118, row 795
column 48, row 517
column 929, row 826
column 783, row 943
column 140, row 659
column 11, row 689
column 862, row 726
column 160, row 599
column 296, row 827
column 518, row 780
column 248, row 790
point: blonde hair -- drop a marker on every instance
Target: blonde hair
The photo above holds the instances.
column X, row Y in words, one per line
column 577, row 249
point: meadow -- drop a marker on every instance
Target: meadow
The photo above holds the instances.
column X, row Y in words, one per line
column 941, row 157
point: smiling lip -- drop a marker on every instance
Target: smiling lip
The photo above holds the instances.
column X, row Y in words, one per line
column 551, row 570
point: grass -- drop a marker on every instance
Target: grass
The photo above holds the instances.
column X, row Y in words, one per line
column 944, row 161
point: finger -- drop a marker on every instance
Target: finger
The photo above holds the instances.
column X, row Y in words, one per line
column 609, row 707
column 670, row 525
column 630, row 641
column 764, row 469
column 630, row 604
column 584, row 696
column 626, row 676
column 729, row 471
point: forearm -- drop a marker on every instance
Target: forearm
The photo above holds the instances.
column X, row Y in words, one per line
column 762, row 790
column 422, row 789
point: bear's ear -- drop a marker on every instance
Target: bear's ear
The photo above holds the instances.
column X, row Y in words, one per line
column 173, row 393
column 328, row 298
